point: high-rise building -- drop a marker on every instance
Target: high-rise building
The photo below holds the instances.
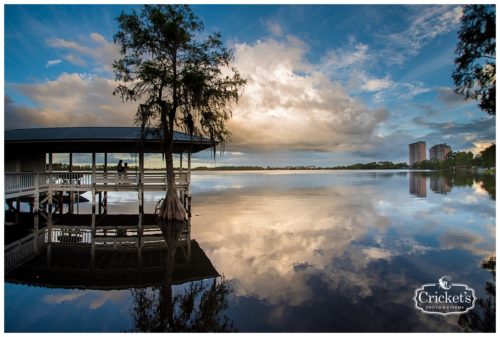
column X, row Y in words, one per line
column 417, row 152
column 439, row 152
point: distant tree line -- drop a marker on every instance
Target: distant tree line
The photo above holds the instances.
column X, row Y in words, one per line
column 461, row 160
column 382, row 165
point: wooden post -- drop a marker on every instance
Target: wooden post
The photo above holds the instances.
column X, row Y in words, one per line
column 49, row 253
column 106, row 190
column 36, row 207
column 181, row 191
column 141, row 191
column 93, row 194
column 70, row 193
column 50, row 186
column 189, row 183
column 92, row 253
column 139, row 250
column 61, row 202
column 18, row 209
column 189, row 239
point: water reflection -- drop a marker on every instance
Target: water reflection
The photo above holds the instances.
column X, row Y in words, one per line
column 328, row 251
column 197, row 308
column 147, row 261
column 443, row 182
column 483, row 317
column 418, row 184
column 342, row 255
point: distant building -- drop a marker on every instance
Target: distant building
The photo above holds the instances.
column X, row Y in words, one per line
column 417, row 152
column 439, row 152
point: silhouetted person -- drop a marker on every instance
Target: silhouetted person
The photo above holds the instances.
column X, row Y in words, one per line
column 119, row 167
column 124, row 170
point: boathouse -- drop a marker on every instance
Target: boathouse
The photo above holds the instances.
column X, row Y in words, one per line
column 30, row 177
column 29, row 171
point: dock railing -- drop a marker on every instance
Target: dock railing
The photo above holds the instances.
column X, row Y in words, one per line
column 27, row 183
column 24, row 249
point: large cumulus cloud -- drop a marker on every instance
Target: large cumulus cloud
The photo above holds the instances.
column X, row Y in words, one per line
column 288, row 104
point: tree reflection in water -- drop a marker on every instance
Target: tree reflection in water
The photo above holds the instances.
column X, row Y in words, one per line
column 482, row 317
column 199, row 308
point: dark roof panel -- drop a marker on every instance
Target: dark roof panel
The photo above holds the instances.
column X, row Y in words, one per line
column 91, row 133
column 100, row 138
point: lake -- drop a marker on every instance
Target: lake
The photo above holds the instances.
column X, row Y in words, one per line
column 324, row 251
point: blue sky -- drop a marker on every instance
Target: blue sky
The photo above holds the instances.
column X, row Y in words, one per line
column 327, row 84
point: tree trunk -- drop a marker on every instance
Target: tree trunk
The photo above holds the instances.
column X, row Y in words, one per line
column 171, row 232
column 171, row 209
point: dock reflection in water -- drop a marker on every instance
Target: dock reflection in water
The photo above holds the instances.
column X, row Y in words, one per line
column 146, row 263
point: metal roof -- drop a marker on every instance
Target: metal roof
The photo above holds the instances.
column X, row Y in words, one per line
column 101, row 138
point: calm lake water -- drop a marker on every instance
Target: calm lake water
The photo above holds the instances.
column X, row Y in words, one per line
column 302, row 251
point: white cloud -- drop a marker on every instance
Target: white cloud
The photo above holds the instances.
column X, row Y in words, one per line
column 289, row 104
column 51, row 63
column 75, row 59
column 97, row 48
column 354, row 54
column 377, row 84
column 274, row 28
column 97, row 298
column 70, row 100
column 428, row 23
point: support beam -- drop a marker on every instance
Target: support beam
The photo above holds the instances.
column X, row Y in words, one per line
column 189, row 184
column 50, row 162
column 141, row 191
column 93, row 209
column 93, row 194
column 70, row 193
column 61, row 202
column 105, row 205
column 93, row 167
column 18, row 209
column 36, row 210
column 49, row 206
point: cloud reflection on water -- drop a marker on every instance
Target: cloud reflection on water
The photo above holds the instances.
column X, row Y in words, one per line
column 274, row 242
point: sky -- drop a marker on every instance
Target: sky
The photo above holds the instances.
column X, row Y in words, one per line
column 326, row 84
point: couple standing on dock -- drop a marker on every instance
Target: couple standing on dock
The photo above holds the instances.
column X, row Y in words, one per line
column 122, row 168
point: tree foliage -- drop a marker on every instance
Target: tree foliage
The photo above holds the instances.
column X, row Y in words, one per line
column 487, row 157
column 179, row 80
column 475, row 65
